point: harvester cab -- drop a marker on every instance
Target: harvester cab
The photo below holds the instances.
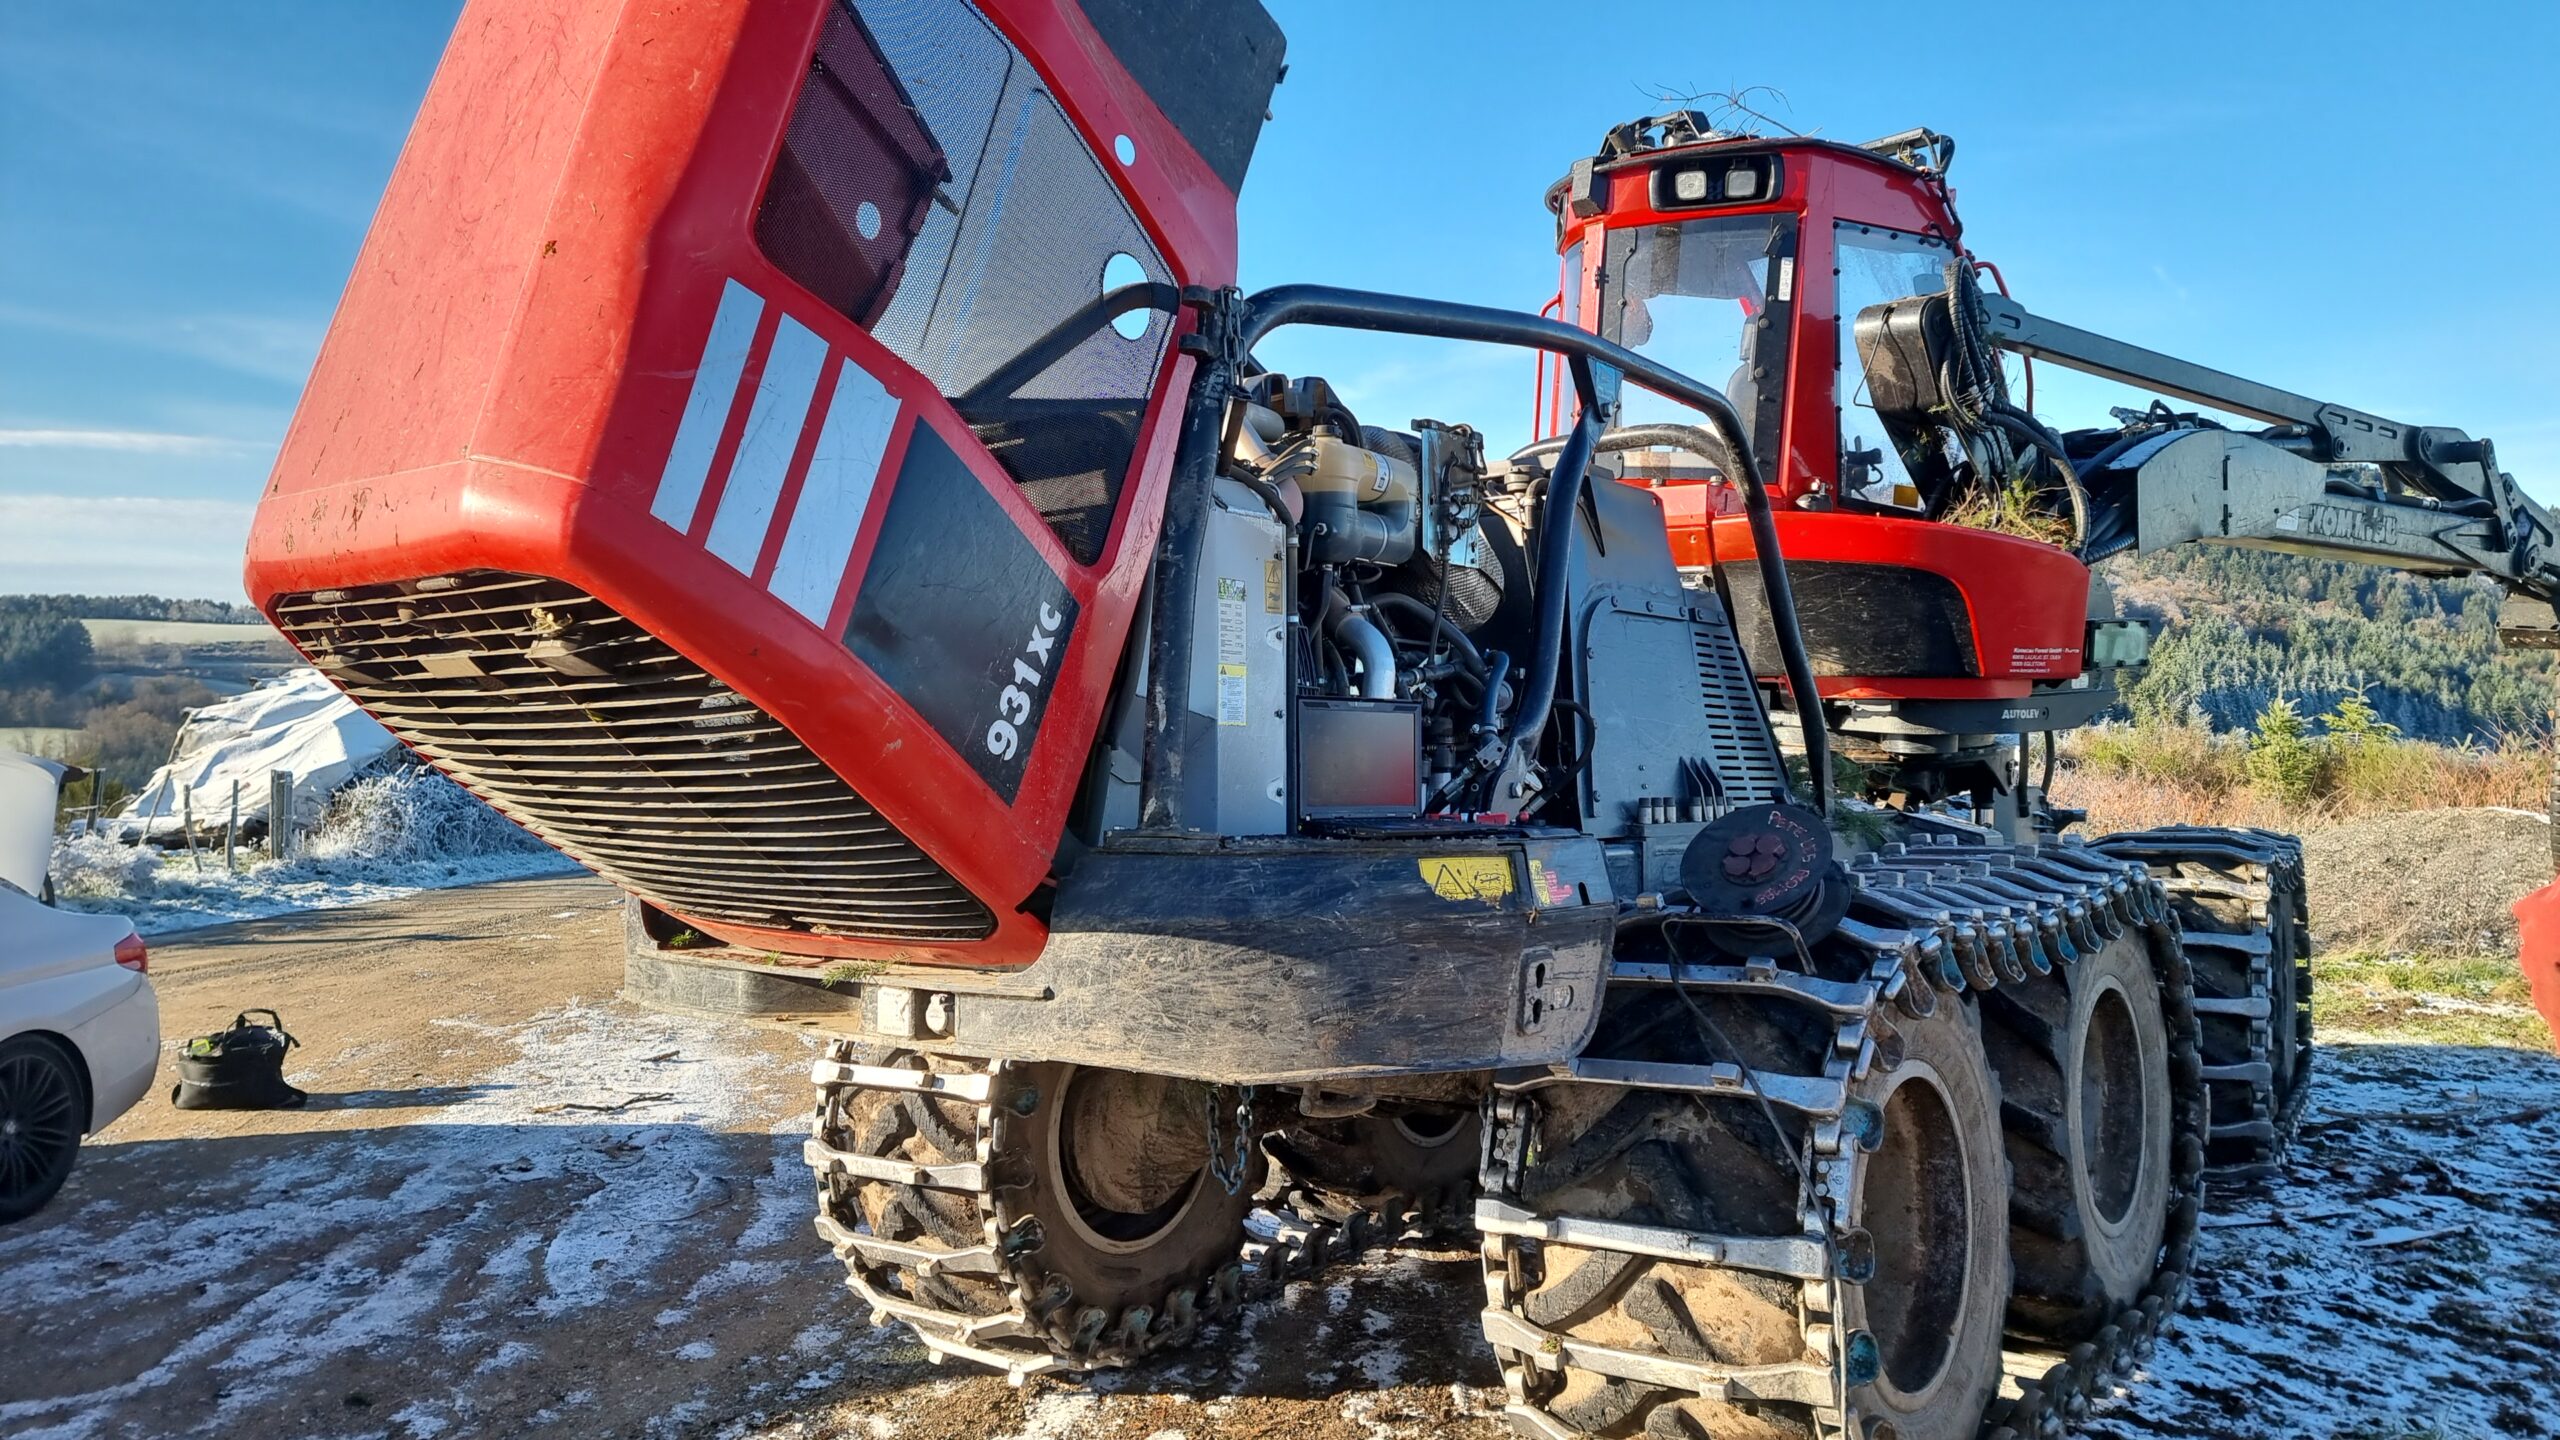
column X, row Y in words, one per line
column 1833, row 285
column 1934, row 645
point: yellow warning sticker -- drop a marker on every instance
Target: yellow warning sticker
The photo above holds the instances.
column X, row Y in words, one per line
column 1467, row 877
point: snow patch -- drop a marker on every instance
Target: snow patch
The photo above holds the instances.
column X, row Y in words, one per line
column 382, row 838
column 1382, row 1366
column 1060, row 1415
column 418, row 1420
column 2402, row 1276
column 317, row 1252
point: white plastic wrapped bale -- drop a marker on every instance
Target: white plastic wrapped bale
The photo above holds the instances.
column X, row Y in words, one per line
column 298, row 723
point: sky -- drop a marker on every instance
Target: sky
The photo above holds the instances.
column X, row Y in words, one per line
column 2354, row 201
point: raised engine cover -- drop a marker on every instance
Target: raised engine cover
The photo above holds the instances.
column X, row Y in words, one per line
column 740, row 446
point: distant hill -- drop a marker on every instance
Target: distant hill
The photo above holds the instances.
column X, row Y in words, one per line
column 106, row 679
column 2247, row 626
column 136, row 607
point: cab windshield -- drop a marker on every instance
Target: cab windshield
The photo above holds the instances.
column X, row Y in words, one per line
column 1877, row 264
column 1692, row 296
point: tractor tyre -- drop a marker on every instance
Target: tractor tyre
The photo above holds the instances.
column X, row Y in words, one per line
column 1070, row 1212
column 1421, row 1157
column 2083, row 1056
column 1922, row 1332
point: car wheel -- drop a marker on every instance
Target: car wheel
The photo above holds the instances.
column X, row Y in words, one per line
column 40, row 1124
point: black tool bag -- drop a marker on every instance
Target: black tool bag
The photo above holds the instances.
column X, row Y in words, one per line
column 241, row 1068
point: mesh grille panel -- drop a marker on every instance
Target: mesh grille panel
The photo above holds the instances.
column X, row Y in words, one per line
column 594, row 735
column 1745, row 756
column 989, row 282
column 855, row 181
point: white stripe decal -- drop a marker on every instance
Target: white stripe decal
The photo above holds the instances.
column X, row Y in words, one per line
column 706, row 408
column 774, row 425
column 842, row 472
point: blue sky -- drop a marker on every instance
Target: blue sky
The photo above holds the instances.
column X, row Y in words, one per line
column 2352, row 200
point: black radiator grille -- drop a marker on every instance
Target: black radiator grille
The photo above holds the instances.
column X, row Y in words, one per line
column 1746, row 758
column 593, row 734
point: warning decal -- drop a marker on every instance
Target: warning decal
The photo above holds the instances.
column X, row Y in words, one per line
column 1548, row 887
column 1468, row 877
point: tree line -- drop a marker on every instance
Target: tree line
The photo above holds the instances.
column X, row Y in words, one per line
column 2258, row 627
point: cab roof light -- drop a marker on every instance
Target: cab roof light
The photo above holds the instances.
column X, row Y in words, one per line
column 1715, row 180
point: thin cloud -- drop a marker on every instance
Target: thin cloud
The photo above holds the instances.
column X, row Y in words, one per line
column 274, row 348
column 138, row 442
column 122, row 545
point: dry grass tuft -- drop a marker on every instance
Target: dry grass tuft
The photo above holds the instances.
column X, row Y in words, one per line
column 2132, row 777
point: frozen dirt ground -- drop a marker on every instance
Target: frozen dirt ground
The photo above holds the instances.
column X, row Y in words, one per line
column 518, row 1205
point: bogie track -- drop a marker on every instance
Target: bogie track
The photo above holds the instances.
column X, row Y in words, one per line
column 2243, row 910
column 1774, row 1202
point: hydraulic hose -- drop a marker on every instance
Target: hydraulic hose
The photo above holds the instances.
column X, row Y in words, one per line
column 1555, row 556
column 1496, row 670
column 2037, row 434
column 1468, row 654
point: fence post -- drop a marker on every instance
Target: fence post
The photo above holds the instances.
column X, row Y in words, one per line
column 187, row 829
column 231, row 832
column 279, row 814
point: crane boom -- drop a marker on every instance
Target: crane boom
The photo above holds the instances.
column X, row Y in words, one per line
column 2328, row 481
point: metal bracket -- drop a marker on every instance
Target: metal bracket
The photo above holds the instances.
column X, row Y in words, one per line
column 1543, row 992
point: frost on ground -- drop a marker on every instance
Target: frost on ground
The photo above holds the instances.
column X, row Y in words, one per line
column 544, row 1232
column 2403, row 1280
column 382, row 838
column 507, row 1215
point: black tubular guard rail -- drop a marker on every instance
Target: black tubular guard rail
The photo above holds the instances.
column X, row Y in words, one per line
column 1256, row 316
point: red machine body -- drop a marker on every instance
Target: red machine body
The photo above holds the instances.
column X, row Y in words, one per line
column 2001, row 611
column 575, row 401
column 1895, row 603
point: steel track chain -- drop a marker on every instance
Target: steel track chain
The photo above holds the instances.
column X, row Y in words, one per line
column 1042, row 1325
column 1930, row 922
column 2246, row 870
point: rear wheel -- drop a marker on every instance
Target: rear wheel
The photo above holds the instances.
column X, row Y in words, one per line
column 1025, row 1216
column 1423, row 1156
column 41, row 1122
column 1120, row 1186
column 1935, row 1197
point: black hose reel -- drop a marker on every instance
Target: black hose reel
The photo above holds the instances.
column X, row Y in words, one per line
column 1766, row 879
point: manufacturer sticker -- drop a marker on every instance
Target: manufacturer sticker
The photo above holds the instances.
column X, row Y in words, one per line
column 1468, row 877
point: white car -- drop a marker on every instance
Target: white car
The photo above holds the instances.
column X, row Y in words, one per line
column 79, row 1025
